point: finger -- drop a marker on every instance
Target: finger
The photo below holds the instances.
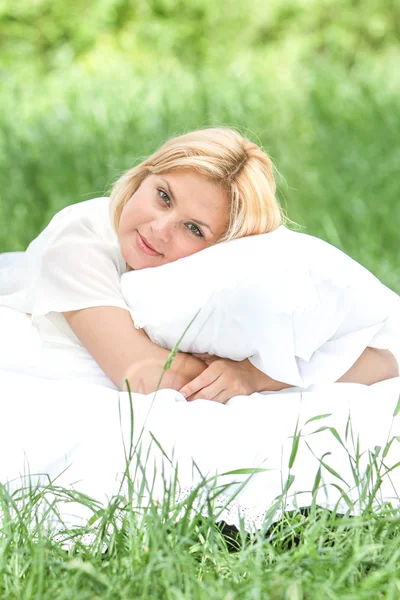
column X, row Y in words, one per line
column 213, row 393
column 203, row 380
column 208, row 361
column 210, row 391
column 206, row 357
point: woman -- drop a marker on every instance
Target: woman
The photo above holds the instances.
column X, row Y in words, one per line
column 197, row 190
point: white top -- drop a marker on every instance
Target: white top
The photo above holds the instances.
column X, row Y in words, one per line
column 75, row 263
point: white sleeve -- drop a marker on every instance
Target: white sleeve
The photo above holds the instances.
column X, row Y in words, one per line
column 74, row 263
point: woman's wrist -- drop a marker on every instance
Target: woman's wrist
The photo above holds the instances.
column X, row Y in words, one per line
column 263, row 382
column 371, row 367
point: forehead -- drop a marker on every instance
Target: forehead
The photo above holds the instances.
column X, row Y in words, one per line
column 193, row 190
column 198, row 199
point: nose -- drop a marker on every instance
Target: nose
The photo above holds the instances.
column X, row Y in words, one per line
column 163, row 228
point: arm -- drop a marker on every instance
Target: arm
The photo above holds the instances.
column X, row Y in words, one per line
column 122, row 351
column 372, row 366
column 225, row 378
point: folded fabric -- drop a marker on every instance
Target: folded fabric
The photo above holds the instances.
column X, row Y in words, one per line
column 74, row 435
column 301, row 310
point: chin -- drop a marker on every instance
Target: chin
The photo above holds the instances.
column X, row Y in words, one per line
column 136, row 263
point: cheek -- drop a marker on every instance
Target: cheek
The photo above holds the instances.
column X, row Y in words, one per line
column 184, row 246
column 143, row 210
column 129, row 217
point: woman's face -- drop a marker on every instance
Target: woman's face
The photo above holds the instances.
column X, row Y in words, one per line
column 177, row 213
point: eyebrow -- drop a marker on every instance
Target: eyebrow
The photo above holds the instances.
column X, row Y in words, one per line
column 167, row 185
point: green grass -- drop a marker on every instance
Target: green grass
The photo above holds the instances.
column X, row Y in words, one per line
column 173, row 551
column 334, row 139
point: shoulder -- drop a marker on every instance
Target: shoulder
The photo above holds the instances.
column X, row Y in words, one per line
column 87, row 218
column 92, row 209
column 85, row 226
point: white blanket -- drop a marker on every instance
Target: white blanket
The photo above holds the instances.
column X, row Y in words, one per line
column 71, row 432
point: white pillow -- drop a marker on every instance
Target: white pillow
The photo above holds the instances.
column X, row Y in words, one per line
column 301, row 310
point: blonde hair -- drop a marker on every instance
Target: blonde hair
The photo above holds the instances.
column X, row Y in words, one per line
column 227, row 159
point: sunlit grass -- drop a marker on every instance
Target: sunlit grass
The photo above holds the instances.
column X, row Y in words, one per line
column 333, row 139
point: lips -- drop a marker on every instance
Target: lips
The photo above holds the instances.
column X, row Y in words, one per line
column 149, row 245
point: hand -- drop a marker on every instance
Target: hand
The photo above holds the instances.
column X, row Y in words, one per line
column 206, row 358
column 144, row 376
column 226, row 378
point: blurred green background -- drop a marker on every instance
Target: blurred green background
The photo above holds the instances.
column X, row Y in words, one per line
column 88, row 89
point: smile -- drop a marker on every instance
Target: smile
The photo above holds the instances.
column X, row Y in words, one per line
column 141, row 244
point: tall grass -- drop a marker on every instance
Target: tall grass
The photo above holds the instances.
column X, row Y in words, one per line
column 334, row 141
column 180, row 550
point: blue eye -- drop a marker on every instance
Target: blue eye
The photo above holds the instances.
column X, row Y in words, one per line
column 167, row 200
